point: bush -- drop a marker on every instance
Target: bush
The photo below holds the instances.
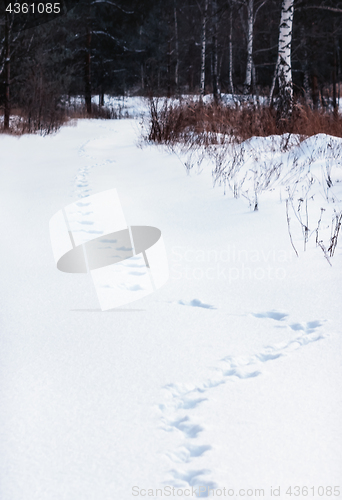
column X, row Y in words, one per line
column 195, row 123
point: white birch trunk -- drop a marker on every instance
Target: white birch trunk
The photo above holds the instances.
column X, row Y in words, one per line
column 250, row 23
column 203, row 48
column 283, row 66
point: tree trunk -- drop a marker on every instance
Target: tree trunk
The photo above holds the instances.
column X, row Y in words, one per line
column 101, row 96
column 142, row 76
column 191, row 78
column 40, row 100
column 231, row 86
column 315, row 90
column 274, row 81
column 101, row 82
column 248, row 79
column 283, row 67
column 306, row 79
column 87, row 72
column 176, row 44
column 214, row 64
column 7, row 68
column 254, row 79
column 337, row 46
column 335, row 103
column 169, row 69
column 204, row 45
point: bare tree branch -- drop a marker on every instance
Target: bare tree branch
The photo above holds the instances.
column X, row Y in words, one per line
column 126, row 49
column 257, row 10
column 114, row 5
column 321, row 7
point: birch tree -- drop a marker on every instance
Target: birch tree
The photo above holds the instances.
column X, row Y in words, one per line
column 283, row 70
column 252, row 9
column 250, row 25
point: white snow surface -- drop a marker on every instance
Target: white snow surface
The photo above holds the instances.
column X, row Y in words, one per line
column 125, row 106
column 228, row 378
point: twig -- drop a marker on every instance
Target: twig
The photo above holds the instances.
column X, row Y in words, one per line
column 288, row 226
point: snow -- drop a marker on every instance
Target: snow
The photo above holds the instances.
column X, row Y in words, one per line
column 227, row 377
column 124, row 106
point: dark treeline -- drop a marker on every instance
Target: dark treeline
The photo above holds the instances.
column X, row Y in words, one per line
column 162, row 47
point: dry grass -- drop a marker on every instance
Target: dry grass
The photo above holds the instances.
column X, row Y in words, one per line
column 98, row 112
column 48, row 121
column 197, row 123
column 22, row 122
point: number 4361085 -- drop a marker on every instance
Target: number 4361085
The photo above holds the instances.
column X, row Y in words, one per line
column 320, row 491
column 41, row 8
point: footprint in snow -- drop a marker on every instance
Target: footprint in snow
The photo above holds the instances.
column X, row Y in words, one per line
column 196, row 303
column 186, row 453
column 182, row 399
column 193, row 478
column 278, row 316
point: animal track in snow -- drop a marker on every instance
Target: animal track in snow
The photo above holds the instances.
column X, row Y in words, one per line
column 278, row 316
column 196, row 303
column 192, row 478
column 182, row 399
column 81, row 187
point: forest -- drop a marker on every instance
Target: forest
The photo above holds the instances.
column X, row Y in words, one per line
column 51, row 52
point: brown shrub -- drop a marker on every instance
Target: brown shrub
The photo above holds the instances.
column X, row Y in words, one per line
column 197, row 123
column 45, row 120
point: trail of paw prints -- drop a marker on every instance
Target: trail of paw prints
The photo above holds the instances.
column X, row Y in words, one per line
column 81, row 182
column 81, row 188
column 181, row 399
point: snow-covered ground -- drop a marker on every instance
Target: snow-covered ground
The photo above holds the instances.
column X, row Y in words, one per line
column 124, row 106
column 228, row 378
